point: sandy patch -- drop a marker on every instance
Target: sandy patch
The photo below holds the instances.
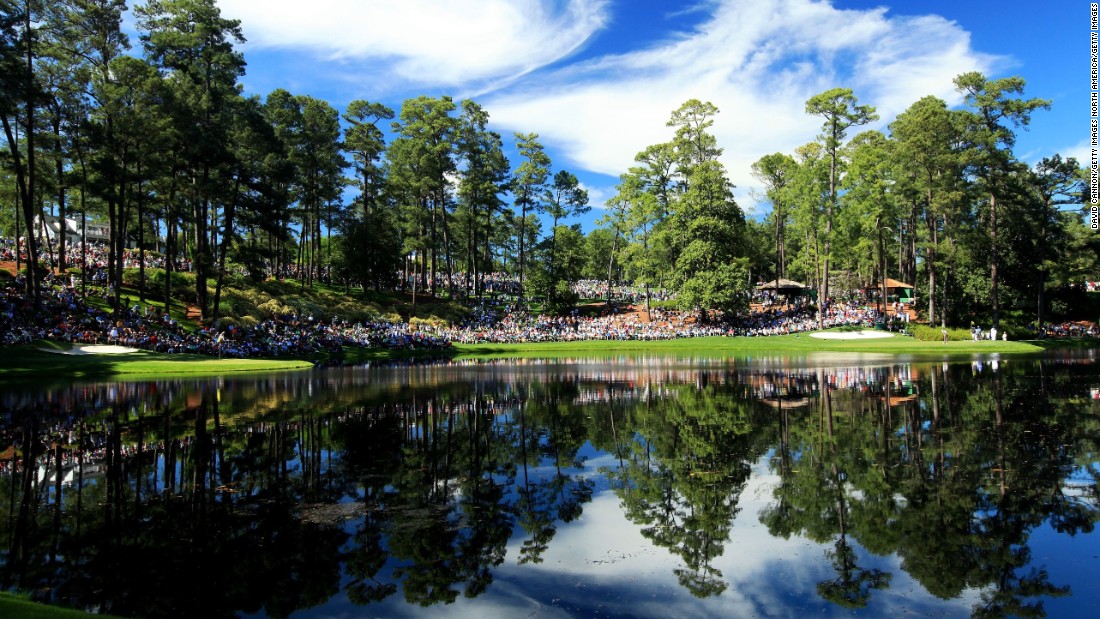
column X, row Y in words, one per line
column 95, row 349
column 866, row 334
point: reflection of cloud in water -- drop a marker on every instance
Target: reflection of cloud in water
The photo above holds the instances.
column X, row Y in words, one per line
column 603, row 555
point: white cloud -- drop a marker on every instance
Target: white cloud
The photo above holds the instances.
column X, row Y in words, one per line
column 598, row 196
column 1082, row 151
column 439, row 42
column 758, row 61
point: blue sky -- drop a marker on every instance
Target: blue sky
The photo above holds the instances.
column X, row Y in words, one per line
column 597, row 79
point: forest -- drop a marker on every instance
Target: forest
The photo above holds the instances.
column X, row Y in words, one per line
column 157, row 140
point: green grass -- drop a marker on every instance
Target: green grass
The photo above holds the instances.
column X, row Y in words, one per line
column 129, row 298
column 15, row 606
column 22, row 363
column 753, row 346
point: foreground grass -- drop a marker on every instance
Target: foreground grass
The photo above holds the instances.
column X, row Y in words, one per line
column 15, row 606
column 23, row 363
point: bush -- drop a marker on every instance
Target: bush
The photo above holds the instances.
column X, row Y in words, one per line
column 357, row 312
column 183, row 284
column 249, row 321
column 272, row 309
column 431, row 321
column 236, row 302
column 305, row 308
column 926, row 333
column 41, row 271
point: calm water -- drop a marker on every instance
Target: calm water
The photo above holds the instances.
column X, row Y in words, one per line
column 829, row 486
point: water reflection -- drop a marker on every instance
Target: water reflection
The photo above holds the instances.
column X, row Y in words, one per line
column 414, row 486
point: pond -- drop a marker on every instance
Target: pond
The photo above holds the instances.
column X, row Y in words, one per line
column 627, row 487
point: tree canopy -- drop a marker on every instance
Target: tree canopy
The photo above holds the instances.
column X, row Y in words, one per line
column 162, row 146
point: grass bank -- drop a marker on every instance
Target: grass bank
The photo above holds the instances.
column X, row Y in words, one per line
column 748, row 346
column 15, row 606
column 25, row 363
column 22, row 363
column 796, row 344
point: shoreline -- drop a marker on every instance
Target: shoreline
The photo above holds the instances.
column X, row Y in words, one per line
column 40, row 361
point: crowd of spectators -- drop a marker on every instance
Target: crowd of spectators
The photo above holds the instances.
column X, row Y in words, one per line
column 1071, row 329
column 497, row 318
column 64, row 316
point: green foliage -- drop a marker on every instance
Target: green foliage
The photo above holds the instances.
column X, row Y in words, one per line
column 431, row 321
column 439, row 313
column 926, row 333
column 708, row 228
column 561, row 260
column 597, row 252
column 722, row 287
column 183, row 284
column 41, row 271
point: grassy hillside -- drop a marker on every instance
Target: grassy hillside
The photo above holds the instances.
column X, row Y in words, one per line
column 14, row 606
column 23, row 363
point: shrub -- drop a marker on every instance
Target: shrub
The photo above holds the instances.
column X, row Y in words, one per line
column 41, row 271
column 249, row 321
column 432, row 321
column 183, row 284
column 238, row 302
column 926, row 333
column 357, row 312
column 305, row 308
column 932, row 334
column 272, row 309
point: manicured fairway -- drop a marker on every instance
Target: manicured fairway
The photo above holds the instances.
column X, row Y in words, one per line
column 762, row 346
column 21, row 363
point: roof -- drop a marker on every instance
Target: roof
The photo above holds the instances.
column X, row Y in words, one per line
column 893, row 283
column 781, row 284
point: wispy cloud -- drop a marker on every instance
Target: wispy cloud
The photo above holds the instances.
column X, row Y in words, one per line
column 425, row 42
column 598, row 196
column 758, row 61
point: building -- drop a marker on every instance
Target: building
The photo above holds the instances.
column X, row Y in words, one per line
column 53, row 227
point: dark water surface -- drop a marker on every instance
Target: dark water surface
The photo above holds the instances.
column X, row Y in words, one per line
column 635, row 487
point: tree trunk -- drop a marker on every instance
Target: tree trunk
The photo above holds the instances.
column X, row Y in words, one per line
column 141, row 237
column 24, row 178
column 610, row 266
column 522, row 257
column 993, row 260
column 60, row 172
column 227, row 231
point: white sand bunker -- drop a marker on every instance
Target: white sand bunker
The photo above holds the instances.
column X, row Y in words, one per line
column 866, row 334
column 95, row 349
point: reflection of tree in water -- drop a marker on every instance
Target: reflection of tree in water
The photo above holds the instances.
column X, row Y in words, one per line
column 1024, row 487
column 372, row 455
column 189, row 506
column 813, row 497
column 852, row 586
column 447, row 519
column 685, row 473
column 550, row 431
column 954, row 484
